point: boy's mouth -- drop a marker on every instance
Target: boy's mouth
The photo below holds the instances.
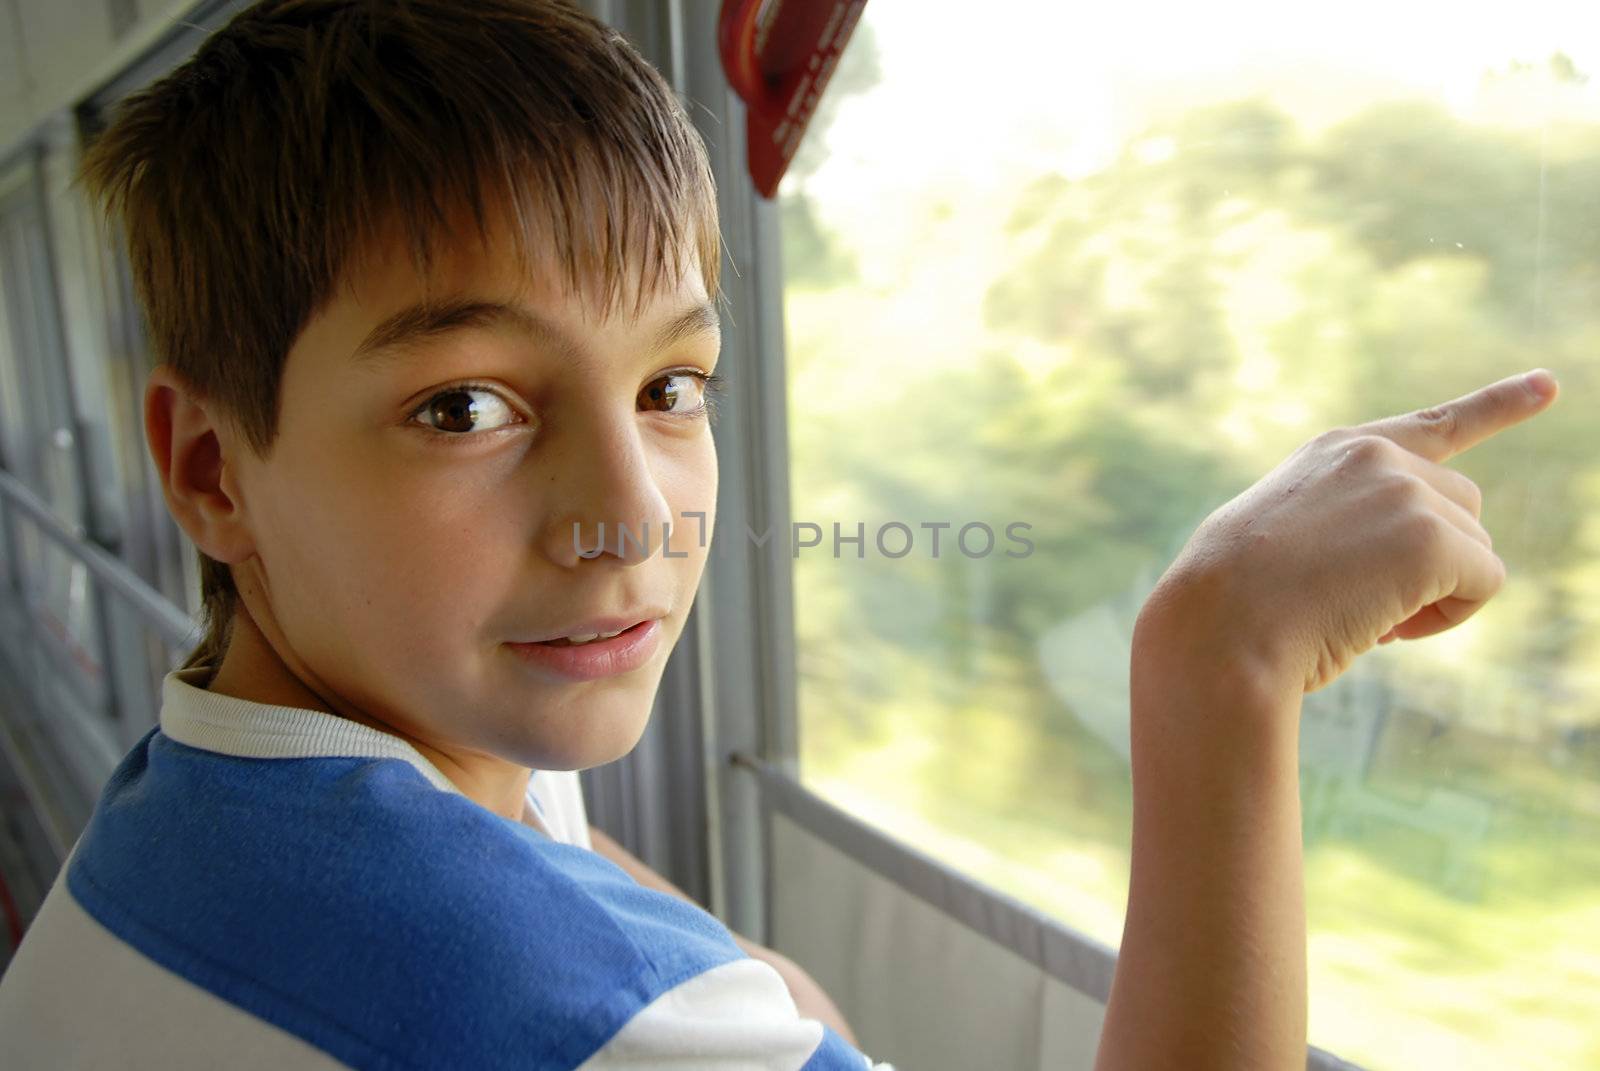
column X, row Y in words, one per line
column 597, row 630
column 580, row 640
column 596, row 652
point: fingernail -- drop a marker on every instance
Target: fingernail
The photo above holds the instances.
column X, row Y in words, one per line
column 1540, row 382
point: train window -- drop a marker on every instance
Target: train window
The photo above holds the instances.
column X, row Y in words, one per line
column 1057, row 287
column 41, row 444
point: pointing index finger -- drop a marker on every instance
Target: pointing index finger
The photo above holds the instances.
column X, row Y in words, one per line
column 1443, row 431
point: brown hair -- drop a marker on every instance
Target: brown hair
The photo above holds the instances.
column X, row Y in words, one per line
column 249, row 180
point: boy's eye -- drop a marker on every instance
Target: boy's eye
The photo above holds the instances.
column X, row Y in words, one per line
column 464, row 409
column 676, row 392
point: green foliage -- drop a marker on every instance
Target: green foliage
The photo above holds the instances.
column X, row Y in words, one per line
column 1158, row 335
column 811, row 257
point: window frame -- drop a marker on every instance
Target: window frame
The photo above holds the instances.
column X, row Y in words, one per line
column 728, row 688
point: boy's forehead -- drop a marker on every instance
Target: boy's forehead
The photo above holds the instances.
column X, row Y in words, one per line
column 386, row 300
column 464, row 266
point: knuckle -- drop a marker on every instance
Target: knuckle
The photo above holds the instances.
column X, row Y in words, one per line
column 1442, row 420
column 1400, row 489
column 1327, row 440
column 1423, row 534
column 1367, row 449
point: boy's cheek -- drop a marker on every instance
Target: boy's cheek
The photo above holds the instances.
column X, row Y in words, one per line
column 360, row 568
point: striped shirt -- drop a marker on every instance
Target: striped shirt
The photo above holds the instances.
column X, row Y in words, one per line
column 267, row 887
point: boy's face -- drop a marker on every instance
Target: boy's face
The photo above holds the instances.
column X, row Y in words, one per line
column 413, row 522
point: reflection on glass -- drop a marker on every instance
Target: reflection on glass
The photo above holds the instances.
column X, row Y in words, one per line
column 1098, row 276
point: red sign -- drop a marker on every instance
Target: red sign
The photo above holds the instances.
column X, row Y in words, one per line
column 779, row 55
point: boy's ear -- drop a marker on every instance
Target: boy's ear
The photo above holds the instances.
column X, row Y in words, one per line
column 193, row 455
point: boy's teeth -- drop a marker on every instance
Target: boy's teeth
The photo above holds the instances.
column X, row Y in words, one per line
column 590, row 637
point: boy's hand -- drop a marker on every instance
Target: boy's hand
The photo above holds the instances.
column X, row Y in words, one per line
column 1359, row 537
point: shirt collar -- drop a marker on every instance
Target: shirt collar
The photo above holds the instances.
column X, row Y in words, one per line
column 210, row 721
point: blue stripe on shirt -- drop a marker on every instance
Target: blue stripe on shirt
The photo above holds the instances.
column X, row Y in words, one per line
column 834, row 1053
column 390, row 924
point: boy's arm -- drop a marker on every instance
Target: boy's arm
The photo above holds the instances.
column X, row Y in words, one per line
column 1212, row 971
column 808, row 996
column 1358, row 538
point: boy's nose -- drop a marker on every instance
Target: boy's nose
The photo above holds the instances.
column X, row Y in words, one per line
column 606, row 502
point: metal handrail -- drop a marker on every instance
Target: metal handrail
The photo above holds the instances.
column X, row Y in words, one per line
column 174, row 626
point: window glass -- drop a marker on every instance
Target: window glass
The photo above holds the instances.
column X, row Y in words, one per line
column 1096, row 275
column 41, row 439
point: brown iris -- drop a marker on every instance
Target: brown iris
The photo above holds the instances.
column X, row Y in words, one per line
column 663, row 394
column 453, row 411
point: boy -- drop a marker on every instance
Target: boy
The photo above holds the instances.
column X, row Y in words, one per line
column 362, row 231
column 434, row 282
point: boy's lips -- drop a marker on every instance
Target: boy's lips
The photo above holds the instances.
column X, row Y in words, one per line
column 631, row 648
column 599, row 626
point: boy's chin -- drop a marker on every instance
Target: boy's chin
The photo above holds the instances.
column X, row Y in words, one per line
column 593, row 744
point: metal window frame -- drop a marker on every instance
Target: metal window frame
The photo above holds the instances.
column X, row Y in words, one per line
column 678, row 801
column 28, row 201
column 748, row 590
column 62, row 769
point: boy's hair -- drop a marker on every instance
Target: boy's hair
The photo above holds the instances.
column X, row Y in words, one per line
column 250, row 180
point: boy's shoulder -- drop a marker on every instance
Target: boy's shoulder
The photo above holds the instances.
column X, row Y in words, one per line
column 354, row 904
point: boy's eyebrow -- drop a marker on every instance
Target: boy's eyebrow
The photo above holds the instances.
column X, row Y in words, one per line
column 422, row 321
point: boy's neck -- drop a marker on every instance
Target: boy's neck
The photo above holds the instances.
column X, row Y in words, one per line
column 252, row 670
